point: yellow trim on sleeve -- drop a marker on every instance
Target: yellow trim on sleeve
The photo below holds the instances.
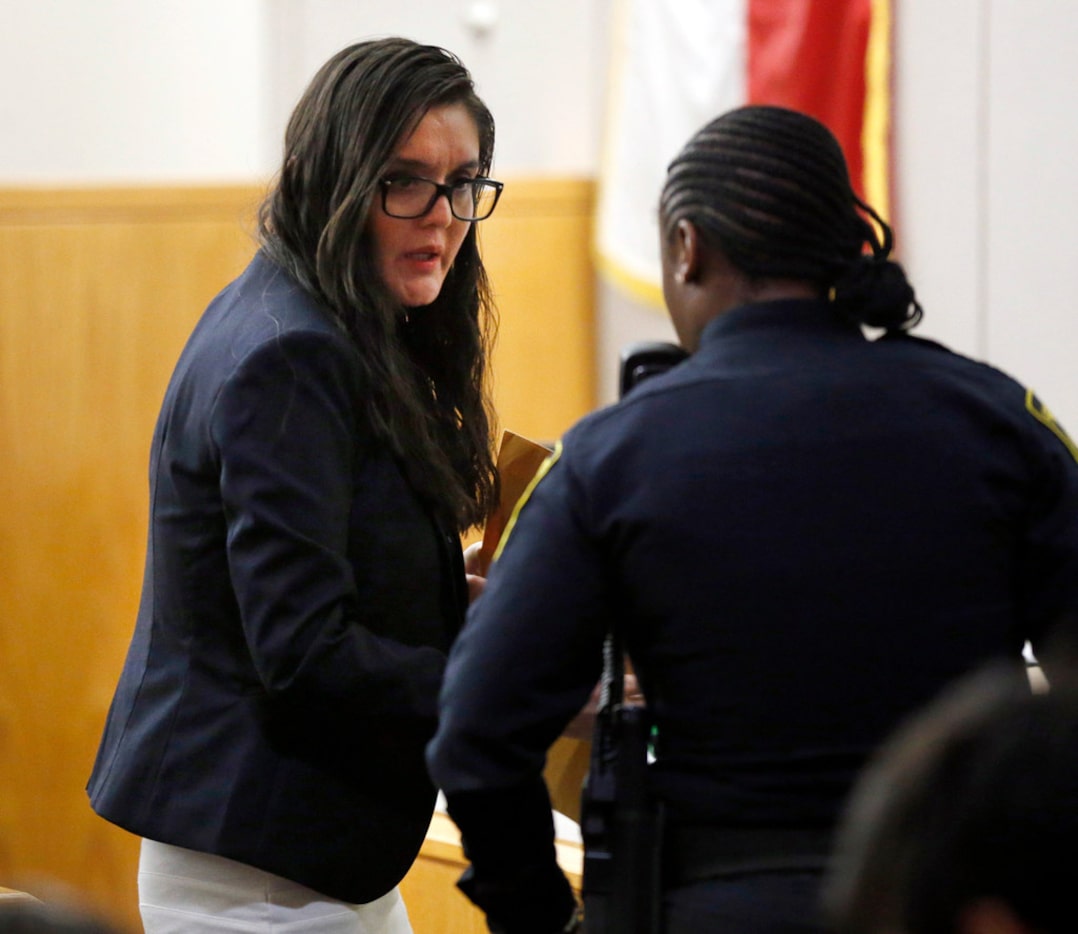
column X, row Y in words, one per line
column 539, row 474
column 1042, row 414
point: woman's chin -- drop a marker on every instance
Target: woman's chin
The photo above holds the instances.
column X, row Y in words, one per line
column 418, row 294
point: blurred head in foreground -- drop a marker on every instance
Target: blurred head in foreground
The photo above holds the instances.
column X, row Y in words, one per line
column 966, row 822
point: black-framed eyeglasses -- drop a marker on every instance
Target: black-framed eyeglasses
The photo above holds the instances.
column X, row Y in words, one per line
column 470, row 199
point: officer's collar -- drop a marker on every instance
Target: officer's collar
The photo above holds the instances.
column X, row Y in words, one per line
column 784, row 314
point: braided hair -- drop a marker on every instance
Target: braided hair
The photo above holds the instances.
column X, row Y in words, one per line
column 770, row 188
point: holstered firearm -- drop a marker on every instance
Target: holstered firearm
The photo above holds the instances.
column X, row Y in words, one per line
column 621, row 823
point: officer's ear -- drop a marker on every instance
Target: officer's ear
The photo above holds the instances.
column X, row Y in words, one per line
column 685, row 252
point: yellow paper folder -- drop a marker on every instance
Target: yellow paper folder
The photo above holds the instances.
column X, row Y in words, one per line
column 518, row 460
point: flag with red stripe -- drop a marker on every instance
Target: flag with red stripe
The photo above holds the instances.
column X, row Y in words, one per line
column 676, row 64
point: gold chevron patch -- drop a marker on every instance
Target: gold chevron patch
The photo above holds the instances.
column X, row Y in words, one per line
column 1043, row 415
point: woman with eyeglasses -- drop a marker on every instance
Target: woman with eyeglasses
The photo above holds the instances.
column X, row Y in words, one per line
column 323, row 442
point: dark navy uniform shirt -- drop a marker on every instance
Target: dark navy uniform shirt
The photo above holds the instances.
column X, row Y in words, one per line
column 804, row 534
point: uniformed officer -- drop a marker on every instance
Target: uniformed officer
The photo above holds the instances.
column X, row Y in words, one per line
column 804, row 533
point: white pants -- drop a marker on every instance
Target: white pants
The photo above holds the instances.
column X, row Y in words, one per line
column 185, row 892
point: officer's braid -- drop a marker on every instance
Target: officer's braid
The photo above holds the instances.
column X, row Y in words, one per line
column 770, row 187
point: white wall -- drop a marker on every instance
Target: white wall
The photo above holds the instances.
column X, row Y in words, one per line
column 1031, row 185
column 116, row 91
column 939, row 163
column 986, row 132
column 145, row 91
column 540, row 67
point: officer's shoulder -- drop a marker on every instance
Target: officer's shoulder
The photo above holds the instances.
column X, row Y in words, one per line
column 926, row 347
column 603, row 435
column 1010, row 394
column 934, row 354
column 612, row 416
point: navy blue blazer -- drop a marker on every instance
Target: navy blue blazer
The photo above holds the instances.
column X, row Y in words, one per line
column 298, row 603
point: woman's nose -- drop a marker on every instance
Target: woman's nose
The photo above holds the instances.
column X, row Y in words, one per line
column 440, row 213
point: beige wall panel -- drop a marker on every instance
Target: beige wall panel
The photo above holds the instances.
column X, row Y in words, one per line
column 537, row 248
column 98, row 291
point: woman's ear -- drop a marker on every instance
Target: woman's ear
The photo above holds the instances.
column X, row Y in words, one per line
column 686, row 252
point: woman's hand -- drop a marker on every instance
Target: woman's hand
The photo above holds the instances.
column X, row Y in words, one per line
column 474, row 573
column 583, row 724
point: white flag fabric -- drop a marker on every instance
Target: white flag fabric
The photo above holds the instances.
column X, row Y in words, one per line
column 676, row 64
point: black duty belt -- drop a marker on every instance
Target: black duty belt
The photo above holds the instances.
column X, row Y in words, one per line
column 691, row 854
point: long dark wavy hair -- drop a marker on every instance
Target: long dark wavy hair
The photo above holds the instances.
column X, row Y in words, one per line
column 770, row 187
column 425, row 369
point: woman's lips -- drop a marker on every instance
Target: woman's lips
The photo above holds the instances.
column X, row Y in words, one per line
column 423, row 257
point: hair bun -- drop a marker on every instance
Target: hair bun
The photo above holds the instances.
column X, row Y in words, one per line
column 875, row 291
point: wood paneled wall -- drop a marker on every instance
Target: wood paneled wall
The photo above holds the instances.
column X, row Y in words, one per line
column 537, row 248
column 98, row 291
